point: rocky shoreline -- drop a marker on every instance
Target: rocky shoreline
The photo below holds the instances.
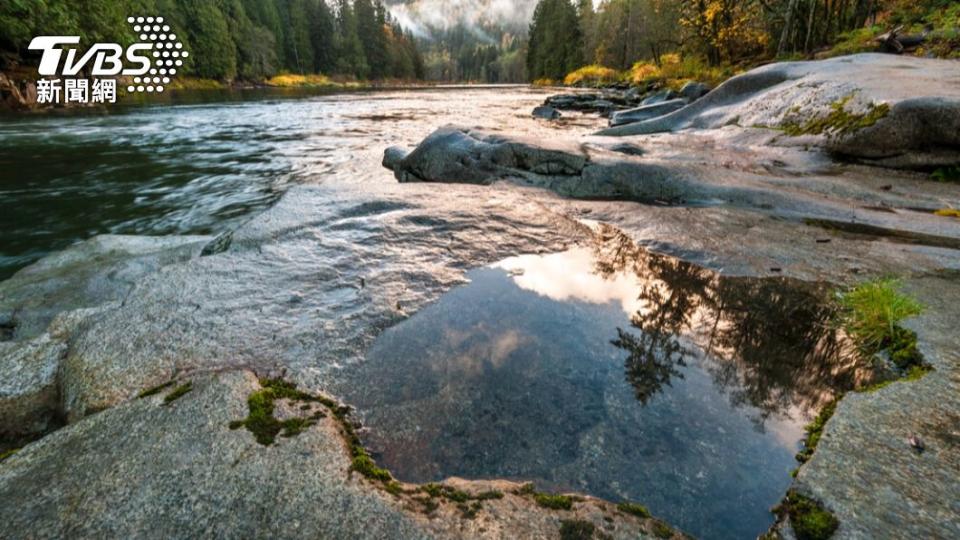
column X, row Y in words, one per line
column 738, row 181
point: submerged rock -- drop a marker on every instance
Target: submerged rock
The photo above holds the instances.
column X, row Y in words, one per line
column 545, row 112
column 646, row 112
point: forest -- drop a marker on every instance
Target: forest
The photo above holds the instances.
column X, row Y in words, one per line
column 713, row 38
column 235, row 39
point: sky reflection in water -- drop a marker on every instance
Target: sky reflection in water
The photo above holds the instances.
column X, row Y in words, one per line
column 610, row 371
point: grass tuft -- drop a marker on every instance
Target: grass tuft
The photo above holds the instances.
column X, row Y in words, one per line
column 872, row 312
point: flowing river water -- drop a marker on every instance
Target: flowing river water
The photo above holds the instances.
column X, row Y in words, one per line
column 607, row 370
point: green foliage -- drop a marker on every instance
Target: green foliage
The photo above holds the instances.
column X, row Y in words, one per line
column 809, row 519
column 555, row 46
column 635, row 509
column 872, row 311
column 178, row 392
column 554, row 502
column 228, row 39
column 576, row 529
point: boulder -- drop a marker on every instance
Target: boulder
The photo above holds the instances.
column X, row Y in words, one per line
column 453, row 154
column 660, row 97
column 693, row 90
column 393, row 156
column 546, row 112
column 646, row 112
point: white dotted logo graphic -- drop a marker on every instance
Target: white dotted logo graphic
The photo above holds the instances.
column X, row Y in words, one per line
column 168, row 54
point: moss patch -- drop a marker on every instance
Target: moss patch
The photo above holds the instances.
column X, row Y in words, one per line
column 7, row 454
column 260, row 419
column 809, row 519
column 948, row 212
column 178, row 392
column 815, row 431
column 837, row 123
column 635, row 509
column 155, row 390
column 576, row 529
column 554, row 502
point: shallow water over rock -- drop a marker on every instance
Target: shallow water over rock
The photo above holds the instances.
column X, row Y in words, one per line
column 612, row 371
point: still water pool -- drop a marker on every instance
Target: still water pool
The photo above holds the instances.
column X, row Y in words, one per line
column 611, row 371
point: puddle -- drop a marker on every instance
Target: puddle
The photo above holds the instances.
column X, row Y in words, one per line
column 610, row 371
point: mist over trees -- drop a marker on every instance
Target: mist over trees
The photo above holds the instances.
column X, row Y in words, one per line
column 235, row 39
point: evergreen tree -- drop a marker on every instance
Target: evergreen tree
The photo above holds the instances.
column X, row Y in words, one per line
column 351, row 58
column 555, row 40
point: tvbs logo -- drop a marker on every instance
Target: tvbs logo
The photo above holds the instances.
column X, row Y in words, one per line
column 148, row 65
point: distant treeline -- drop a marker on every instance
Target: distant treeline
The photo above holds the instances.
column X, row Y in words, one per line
column 491, row 54
column 620, row 34
column 231, row 39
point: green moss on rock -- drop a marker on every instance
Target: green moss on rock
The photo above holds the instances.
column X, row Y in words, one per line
column 815, row 431
column 155, row 390
column 178, row 392
column 808, row 518
column 838, row 122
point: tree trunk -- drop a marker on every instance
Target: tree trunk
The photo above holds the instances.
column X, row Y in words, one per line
column 787, row 26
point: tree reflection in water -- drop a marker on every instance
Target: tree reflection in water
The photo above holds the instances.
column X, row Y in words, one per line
column 767, row 342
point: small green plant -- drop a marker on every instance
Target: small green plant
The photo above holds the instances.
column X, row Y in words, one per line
column 872, row 311
column 635, row 509
column 554, row 502
column 178, row 392
column 576, row 529
column 809, row 519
